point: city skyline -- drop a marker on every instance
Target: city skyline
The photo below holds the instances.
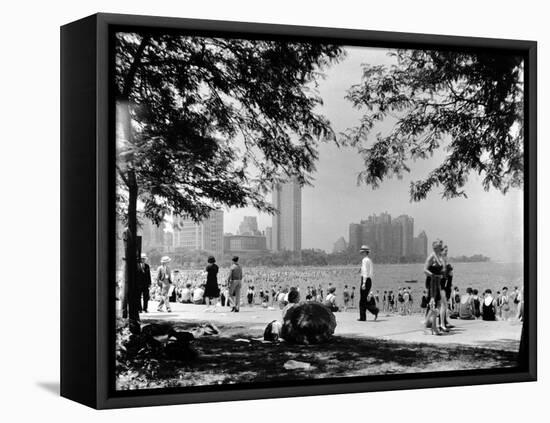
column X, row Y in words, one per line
column 182, row 233
column 390, row 238
column 467, row 225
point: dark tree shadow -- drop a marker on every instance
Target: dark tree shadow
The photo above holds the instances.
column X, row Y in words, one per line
column 239, row 356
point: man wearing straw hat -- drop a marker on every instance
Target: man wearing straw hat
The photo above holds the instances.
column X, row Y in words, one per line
column 366, row 285
column 164, row 280
column 143, row 277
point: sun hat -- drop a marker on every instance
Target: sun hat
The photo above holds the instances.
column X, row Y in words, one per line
column 364, row 248
column 165, row 259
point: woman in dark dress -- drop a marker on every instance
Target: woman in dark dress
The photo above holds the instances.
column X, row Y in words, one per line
column 434, row 269
column 212, row 290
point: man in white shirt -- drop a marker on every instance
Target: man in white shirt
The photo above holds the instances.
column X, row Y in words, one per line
column 367, row 273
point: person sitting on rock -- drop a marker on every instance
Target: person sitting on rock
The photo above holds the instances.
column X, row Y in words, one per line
column 292, row 298
column 330, row 300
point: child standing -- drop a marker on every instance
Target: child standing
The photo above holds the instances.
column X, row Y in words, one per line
column 346, row 294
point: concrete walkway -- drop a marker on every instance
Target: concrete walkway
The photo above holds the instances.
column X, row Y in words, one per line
column 502, row 335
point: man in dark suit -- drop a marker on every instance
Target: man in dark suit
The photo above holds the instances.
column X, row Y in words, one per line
column 143, row 277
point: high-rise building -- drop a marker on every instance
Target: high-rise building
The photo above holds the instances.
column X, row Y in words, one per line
column 384, row 234
column 340, row 245
column 368, row 233
column 407, row 234
column 206, row 235
column 355, row 236
column 287, row 222
column 389, row 238
column 269, row 238
column 397, row 239
column 421, row 245
column 152, row 236
column 212, row 236
column 249, row 226
column 244, row 243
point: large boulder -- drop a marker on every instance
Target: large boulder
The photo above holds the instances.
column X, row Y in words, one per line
column 308, row 323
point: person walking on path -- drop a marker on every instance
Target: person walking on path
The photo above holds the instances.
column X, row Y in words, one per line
column 235, row 282
column 433, row 269
column 164, row 281
column 143, row 282
column 367, row 273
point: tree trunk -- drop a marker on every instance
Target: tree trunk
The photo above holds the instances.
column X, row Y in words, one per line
column 124, row 119
column 131, row 292
column 131, row 255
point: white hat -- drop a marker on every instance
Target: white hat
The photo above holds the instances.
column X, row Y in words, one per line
column 143, row 255
column 364, row 248
column 165, row 259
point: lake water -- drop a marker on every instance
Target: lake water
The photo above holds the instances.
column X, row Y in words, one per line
column 479, row 276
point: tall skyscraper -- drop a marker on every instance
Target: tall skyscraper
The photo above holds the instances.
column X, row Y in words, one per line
column 212, row 235
column 207, row 235
column 421, row 245
column 244, row 243
column 355, row 235
column 152, row 236
column 287, row 223
column 269, row 238
column 384, row 234
column 397, row 239
column 340, row 245
column 407, row 234
column 249, row 226
column 389, row 238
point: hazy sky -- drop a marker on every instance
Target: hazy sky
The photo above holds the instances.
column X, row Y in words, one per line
column 486, row 222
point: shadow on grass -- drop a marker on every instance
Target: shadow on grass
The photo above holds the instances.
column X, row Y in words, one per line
column 238, row 356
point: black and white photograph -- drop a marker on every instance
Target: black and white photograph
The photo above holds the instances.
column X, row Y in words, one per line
column 292, row 210
column 268, row 212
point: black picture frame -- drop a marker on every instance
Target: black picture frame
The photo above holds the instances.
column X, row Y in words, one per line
column 87, row 213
